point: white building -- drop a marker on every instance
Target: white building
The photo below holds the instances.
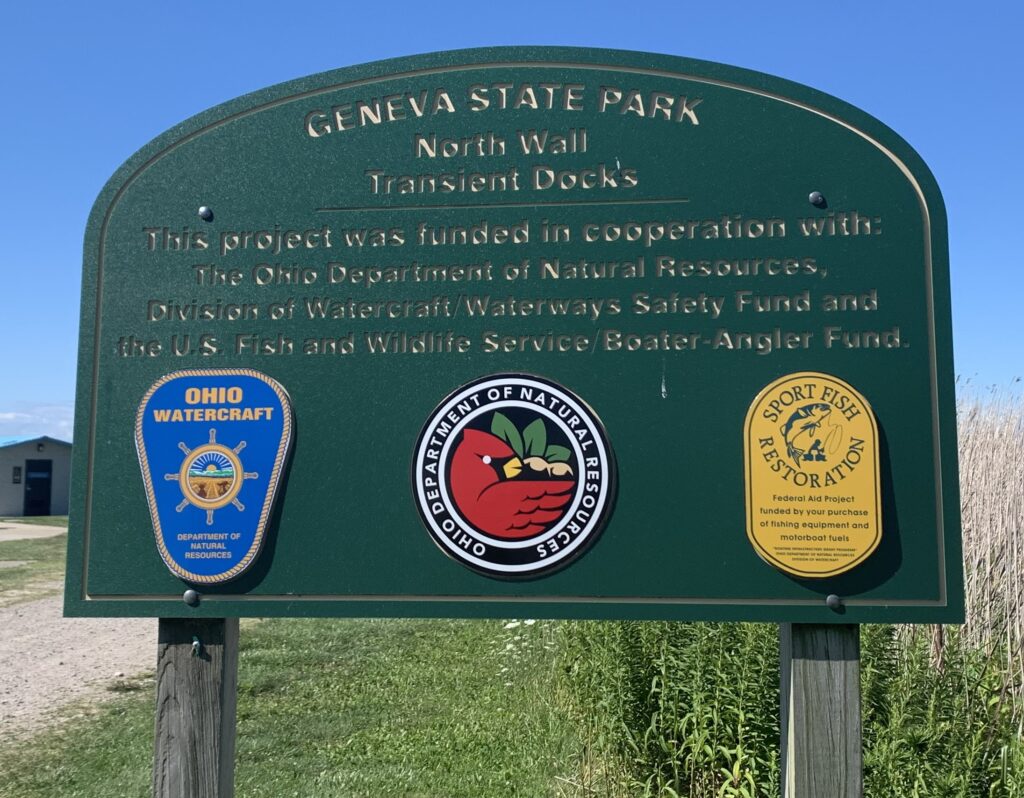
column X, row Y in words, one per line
column 35, row 476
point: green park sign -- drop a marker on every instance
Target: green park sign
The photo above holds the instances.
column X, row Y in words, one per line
column 519, row 332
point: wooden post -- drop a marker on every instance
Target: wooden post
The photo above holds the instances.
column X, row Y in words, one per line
column 820, row 711
column 196, row 692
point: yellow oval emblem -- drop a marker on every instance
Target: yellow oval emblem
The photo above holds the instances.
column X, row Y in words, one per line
column 812, row 475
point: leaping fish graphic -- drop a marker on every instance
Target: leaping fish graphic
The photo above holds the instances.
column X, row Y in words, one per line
column 805, row 430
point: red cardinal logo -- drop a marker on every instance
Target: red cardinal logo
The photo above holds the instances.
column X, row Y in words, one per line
column 504, row 494
column 513, row 475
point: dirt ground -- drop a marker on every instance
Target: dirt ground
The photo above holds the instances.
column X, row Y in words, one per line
column 49, row 664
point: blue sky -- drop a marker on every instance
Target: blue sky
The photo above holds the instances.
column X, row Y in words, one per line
column 87, row 84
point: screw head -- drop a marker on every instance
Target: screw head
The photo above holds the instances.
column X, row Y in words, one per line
column 206, row 213
column 817, row 199
column 191, row 598
column 833, row 602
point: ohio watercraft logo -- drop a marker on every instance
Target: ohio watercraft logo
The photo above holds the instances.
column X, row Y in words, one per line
column 212, row 445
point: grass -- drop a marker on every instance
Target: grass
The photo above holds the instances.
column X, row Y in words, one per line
column 619, row 710
column 728, row 697
column 930, row 731
column 38, row 568
column 447, row 709
column 676, row 709
column 691, row 709
column 41, row 520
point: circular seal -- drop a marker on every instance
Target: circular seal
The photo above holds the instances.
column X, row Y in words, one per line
column 513, row 475
column 211, row 476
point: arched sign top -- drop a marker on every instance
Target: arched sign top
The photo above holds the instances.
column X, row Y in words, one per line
column 500, row 95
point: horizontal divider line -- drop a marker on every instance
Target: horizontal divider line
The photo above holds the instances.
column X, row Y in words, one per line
column 552, row 204
column 654, row 601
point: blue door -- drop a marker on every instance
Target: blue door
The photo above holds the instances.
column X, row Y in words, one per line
column 38, row 478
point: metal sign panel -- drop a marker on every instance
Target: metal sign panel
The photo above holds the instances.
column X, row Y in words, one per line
column 522, row 301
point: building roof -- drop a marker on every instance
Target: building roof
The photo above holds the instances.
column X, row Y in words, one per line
column 15, row 441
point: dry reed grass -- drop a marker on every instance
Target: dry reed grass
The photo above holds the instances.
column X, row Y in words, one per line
column 991, row 447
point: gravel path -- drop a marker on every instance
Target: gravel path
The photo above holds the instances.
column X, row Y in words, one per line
column 48, row 661
column 10, row 530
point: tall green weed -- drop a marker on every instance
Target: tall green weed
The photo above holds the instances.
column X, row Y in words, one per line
column 691, row 710
column 933, row 730
column 682, row 709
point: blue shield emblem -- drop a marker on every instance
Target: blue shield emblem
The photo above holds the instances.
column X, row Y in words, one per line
column 212, row 444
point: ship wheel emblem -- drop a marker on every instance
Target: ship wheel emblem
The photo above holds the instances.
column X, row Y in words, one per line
column 211, row 476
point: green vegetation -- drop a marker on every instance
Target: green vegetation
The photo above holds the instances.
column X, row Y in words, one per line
column 468, row 708
column 692, row 709
column 31, row 569
column 936, row 728
column 450, row 709
column 675, row 709
column 41, row 520
column 443, row 709
column 104, row 750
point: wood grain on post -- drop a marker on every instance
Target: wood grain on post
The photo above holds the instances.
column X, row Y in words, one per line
column 195, row 708
column 820, row 711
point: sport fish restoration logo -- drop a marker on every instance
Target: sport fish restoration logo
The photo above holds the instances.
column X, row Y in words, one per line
column 212, row 445
column 513, row 475
column 812, row 475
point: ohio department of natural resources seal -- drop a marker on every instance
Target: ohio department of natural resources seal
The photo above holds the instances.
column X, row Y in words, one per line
column 513, row 475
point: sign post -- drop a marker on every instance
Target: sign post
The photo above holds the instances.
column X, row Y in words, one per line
column 820, row 718
column 547, row 331
column 196, row 694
